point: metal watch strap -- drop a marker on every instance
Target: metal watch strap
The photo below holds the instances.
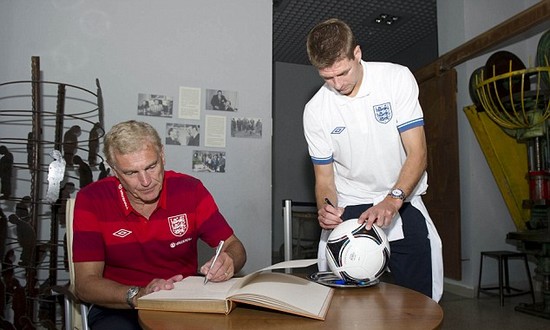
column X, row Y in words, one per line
column 130, row 294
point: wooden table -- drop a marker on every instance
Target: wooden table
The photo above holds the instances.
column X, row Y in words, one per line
column 383, row 306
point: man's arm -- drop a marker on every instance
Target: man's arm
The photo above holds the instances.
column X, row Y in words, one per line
column 92, row 288
column 414, row 142
column 328, row 216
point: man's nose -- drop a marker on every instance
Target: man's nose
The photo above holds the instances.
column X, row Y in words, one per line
column 144, row 179
column 338, row 82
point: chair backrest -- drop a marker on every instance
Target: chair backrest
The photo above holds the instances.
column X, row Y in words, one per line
column 69, row 210
column 77, row 318
column 294, row 227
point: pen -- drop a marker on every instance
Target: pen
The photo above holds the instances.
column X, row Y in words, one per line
column 218, row 250
column 328, row 202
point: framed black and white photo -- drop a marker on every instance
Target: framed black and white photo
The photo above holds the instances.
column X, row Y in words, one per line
column 182, row 134
column 208, row 161
column 155, row 105
column 222, row 100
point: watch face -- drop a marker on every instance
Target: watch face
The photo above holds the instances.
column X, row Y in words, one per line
column 397, row 193
column 133, row 291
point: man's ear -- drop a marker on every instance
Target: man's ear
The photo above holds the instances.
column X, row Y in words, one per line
column 357, row 53
column 113, row 170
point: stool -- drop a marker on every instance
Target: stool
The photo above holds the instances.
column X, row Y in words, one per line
column 503, row 281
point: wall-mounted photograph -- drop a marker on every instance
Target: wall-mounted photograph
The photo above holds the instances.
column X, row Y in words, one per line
column 208, row 161
column 223, row 100
column 155, row 105
column 182, row 134
column 246, row 127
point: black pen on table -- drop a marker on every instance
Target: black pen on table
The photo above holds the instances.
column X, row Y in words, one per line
column 218, row 250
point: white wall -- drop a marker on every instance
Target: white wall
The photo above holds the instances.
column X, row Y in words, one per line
column 485, row 218
column 155, row 47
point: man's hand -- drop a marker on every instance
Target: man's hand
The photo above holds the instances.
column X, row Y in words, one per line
column 329, row 216
column 382, row 213
column 159, row 284
column 222, row 270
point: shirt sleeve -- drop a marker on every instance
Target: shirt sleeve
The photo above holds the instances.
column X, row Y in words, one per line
column 319, row 144
column 409, row 114
column 213, row 225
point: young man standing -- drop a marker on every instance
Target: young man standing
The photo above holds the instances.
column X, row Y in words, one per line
column 365, row 136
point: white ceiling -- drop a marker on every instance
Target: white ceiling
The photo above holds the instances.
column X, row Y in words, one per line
column 292, row 20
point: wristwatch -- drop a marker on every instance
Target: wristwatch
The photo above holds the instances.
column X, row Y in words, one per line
column 130, row 295
column 397, row 194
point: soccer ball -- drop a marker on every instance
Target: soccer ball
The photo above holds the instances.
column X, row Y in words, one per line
column 356, row 254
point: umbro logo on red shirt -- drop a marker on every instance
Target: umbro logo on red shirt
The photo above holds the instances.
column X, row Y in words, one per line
column 122, row 233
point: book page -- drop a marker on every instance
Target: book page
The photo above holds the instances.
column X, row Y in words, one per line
column 193, row 288
column 285, row 292
column 300, row 263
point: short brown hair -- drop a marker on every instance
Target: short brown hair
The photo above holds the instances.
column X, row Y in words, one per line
column 330, row 41
column 130, row 136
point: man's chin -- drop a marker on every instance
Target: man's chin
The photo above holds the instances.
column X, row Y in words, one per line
column 345, row 92
column 149, row 198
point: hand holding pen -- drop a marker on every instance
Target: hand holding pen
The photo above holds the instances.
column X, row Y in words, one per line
column 329, row 215
column 218, row 251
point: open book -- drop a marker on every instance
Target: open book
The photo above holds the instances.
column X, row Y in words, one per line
column 272, row 290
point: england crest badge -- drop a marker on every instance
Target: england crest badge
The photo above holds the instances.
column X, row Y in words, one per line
column 178, row 224
column 383, row 112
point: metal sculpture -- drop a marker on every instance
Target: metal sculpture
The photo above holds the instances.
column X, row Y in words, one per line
column 56, row 173
column 32, row 304
column 85, row 175
column 6, row 166
column 70, row 143
column 93, row 143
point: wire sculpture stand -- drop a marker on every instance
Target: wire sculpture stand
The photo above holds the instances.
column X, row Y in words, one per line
column 32, row 225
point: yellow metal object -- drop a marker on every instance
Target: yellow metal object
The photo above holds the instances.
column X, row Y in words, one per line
column 509, row 99
column 507, row 160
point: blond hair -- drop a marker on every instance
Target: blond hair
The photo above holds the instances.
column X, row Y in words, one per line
column 128, row 137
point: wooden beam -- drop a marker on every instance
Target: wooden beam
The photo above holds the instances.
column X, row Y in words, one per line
column 515, row 26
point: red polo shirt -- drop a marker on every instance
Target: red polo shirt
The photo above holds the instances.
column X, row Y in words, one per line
column 136, row 250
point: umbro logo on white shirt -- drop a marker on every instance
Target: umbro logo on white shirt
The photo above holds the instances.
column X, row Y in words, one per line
column 338, row 130
column 122, row 233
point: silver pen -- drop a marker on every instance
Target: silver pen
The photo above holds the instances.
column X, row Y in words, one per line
column 218, row 250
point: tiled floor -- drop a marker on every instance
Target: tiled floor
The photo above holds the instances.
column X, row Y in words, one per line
column 486, row 313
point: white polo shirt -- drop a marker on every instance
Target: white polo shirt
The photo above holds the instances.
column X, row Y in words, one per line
column 360, row 135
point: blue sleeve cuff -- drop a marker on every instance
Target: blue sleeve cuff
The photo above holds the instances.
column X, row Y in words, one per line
column 321, row 161
column 410, row 124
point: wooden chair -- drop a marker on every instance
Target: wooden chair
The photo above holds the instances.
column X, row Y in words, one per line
column 75, row 311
